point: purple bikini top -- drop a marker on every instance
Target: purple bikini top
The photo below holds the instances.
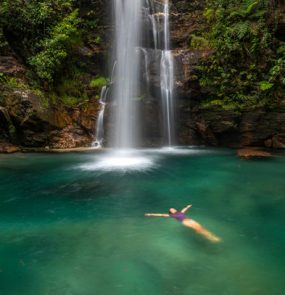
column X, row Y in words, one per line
column 178, row 216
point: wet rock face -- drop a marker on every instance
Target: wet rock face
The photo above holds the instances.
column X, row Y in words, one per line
column 4, row 123
column 186, row 19
column 280, row 25
column 214, row 126
column 8, row 148
column 217, row 127
column 10, row 66
column 187, row 84
column 68, row 137
column 37, row 125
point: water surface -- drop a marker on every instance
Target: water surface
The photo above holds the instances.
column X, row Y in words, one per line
column 70, row 227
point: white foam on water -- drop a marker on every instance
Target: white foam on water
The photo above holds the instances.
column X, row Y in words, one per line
column 122, row 161
column 172, row 150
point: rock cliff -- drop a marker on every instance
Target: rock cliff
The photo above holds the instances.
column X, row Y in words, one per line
column 214, row 125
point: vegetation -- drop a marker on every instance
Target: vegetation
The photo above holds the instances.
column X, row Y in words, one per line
column 56, row 48
column 248, row 64
column 246, row 67
column 98, row 82
column 47, row 36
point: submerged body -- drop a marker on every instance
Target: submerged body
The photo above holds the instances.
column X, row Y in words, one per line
column 190, row 223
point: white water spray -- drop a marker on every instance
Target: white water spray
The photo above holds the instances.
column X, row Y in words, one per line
column 100, row 120
column 126, row 89
column 167, row 80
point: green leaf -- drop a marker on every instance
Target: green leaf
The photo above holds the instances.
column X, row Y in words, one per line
column 265, row 85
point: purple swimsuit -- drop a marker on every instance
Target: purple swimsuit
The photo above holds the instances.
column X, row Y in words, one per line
column 179, row 216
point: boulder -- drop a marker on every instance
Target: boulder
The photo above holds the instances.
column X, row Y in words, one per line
column 8, row 148
column 69, row 137
column 250, row 153
column 278, row 141
column 10, row 66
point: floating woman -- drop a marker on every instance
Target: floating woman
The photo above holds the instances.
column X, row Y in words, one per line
column 180, row 216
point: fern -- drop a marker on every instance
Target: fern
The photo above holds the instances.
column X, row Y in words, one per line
column 237, row 14
column 209, row 14
column 242, row 29
column 244, row 12
column 265, row 85
column 198, row 42
column 247, row 67
column 250, row 8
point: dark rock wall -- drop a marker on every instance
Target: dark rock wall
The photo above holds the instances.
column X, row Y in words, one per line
column 215, row 126
column 30, row 119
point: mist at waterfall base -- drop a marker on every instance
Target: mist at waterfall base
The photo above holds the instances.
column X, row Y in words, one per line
column 65, row 229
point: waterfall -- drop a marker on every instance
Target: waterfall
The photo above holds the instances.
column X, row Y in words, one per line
column 144, row 68
column 159, row 24
column 153, row 22
column 100, row 120
column 127, row 15
column 167, row 80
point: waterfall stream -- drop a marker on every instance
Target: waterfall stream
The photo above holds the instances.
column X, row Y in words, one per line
column 128, row 30
column 167, row 79
column 141, row 52
column 100, row 120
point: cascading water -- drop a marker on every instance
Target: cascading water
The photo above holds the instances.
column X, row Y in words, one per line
column 141, row 44
column 167, row 79
column 100, row 120
column 126, row 89
column 153, row 21
column 99, row 131
column 158, row 15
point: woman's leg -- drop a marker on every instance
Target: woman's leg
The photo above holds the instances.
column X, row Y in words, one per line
column 199, row 229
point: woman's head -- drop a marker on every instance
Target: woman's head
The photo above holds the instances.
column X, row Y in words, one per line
column 172, row 211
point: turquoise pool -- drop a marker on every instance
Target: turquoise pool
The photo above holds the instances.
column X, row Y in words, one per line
column 73, row 224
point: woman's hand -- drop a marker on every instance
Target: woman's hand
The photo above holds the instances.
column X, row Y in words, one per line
column 186, row 208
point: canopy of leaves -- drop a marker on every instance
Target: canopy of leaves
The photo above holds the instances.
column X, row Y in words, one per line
column 55, row 48
column 46, row 36
column 248, row 64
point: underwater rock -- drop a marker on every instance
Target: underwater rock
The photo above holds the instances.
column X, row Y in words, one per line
column 250, row 153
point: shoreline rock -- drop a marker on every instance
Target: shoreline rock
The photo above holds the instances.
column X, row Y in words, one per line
column 253, row 153
column 7, row 148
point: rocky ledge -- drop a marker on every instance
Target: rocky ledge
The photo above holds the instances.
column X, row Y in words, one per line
column 253, row 153
column 8, row 148
column 215, row 126
column 26, row 120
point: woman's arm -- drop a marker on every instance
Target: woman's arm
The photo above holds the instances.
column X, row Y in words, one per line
column 186, row 208
column 156, row 215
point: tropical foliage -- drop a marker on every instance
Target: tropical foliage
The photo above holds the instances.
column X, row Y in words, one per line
column 47, row 36
column 247, row 67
